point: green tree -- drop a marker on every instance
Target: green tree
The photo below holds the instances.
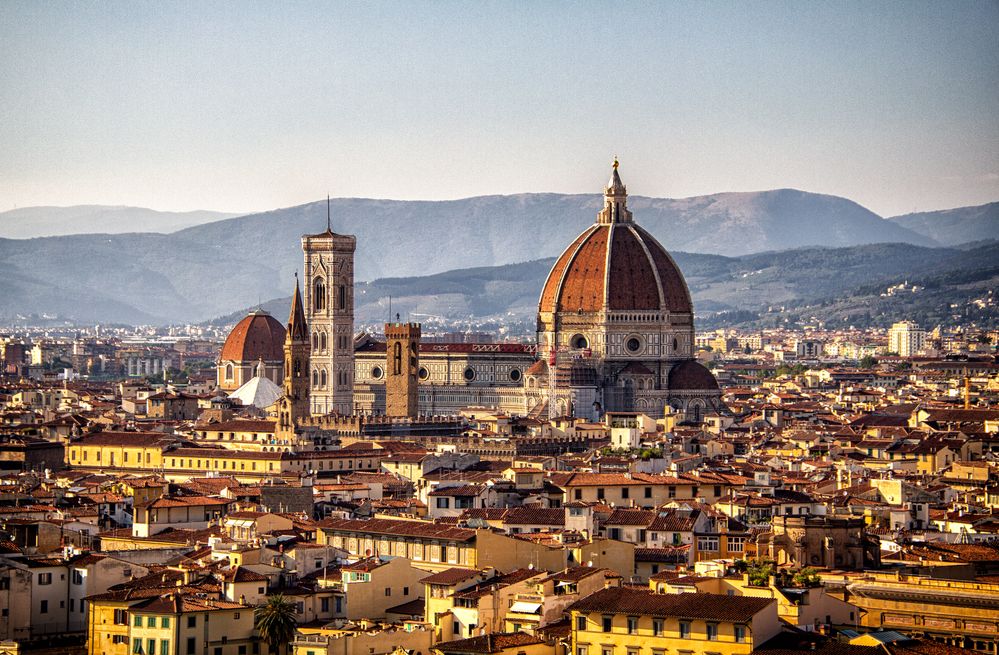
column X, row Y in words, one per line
column 759, row 573
column 868, row 361
column 807, row 577
column 275, row 622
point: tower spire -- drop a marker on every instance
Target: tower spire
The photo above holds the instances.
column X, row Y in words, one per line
column 297, row 329
column 328, row 222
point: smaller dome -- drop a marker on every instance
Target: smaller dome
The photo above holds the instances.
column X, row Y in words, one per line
column 259, row 336
column 691, row 376
column 259, row 392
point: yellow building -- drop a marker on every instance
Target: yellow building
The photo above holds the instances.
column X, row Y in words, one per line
column 959, row 613
column 436, row 547
column 177, row 459
column 630, row 621
column 148, row 623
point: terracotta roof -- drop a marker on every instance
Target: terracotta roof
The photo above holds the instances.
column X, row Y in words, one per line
column 397, row 527
column 258, row 336
column 641, row 275
column 710, row 607
column 450, row 576
column 490, row 643
column 691, row 375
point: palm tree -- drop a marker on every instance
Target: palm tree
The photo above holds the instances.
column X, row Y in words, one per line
column 275, row 621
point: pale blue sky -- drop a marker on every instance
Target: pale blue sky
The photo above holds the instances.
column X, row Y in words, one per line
column 249, row 106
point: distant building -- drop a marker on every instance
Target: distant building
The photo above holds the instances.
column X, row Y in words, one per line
column 906, row 338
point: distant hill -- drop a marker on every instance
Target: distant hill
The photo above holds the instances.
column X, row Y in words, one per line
column 410, row 238
column 841, row 285
column 29, row 222
column 951, row 227
column 212, row 269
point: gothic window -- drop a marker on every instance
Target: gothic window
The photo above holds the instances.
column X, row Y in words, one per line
column 397, row 358
column 322, row 342
column 315, row 341
column 341, row 297
column 318, row 295
column 297, row 368
column 315, row 379
column 322, row 379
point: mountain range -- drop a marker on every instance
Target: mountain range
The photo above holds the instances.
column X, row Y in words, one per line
column 30, row 222
column 951, row 227
column 223, row 266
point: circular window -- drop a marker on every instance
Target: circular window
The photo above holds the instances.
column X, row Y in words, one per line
column 469, row 374
column 634, row 344
column 579, row 342
column 515, row 375
column 424, row 373
column 377, row 372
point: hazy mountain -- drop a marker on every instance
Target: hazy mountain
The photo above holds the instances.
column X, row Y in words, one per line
column 219, row 267
column 950, row 227
column 28, row 222
column 789, row 283
column 407, row 238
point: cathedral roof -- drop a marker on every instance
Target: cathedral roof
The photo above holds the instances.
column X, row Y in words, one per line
column 259, row 336
column 615, row 265
column 691, row 376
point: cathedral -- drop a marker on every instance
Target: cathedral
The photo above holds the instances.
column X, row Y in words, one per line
column 615, row 332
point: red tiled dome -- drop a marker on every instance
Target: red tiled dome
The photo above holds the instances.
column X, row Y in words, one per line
column 691, row 376
column 642, row 274
column 258, row 336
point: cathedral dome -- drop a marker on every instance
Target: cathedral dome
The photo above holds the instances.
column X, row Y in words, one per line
column 615, row 265
column 691, row 376
column 259, row 336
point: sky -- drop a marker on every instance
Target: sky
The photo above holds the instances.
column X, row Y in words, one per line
column 248, row 106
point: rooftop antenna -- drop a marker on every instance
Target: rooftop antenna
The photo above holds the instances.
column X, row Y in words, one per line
column 328, row 228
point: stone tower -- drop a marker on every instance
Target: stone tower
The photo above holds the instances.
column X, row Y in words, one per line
column 329, row 308
column 402, row 366
column 295, row 403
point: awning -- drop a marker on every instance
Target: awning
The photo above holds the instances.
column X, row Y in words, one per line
column 525, row 608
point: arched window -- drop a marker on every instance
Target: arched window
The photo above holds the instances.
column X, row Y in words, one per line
column 322, row 342
column 397, row 358
column 228, row 371
column 319, row 295
column 315, row 378
column 341, row 297
column 322, row 379
column 315, row 341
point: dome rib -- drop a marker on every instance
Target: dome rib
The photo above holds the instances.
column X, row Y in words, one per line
column 552, row 291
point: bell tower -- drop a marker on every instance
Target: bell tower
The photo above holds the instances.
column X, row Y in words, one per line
column 329, row 309
column 402, row 366
column 295, row 403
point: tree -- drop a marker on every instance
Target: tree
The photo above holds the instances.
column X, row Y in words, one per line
column 868, row 361
column 759, row 573
column 807, row 577
column 275, row 622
